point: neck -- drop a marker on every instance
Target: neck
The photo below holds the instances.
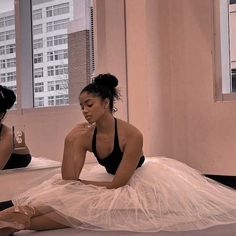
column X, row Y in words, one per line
column 106, row 123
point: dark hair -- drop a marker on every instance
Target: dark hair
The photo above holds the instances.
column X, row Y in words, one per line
column 104, row 86
column 7, row 99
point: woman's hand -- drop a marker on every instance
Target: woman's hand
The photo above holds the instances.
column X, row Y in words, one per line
column 74, row 152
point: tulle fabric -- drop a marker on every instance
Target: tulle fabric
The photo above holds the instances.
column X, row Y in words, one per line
column 164, row 194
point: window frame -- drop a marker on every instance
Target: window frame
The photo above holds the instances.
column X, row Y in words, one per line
column 61, row 70
column 221, row 52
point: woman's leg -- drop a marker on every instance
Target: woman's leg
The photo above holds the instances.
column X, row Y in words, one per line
column 27, row 217
column 47, row 221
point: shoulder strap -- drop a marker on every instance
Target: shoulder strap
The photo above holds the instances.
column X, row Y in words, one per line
column 1, row 130
column 13, row 136
column 116, row 139
column 94, row 142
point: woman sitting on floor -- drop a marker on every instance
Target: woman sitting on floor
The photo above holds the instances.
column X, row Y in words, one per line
column 137, row 195
column 11, row 156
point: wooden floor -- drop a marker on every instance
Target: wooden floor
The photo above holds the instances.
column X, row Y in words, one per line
column 223, row 230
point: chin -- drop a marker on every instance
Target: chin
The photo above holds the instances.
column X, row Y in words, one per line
column 90, row 121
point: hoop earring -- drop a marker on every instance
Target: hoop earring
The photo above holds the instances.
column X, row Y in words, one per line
column 114, row 109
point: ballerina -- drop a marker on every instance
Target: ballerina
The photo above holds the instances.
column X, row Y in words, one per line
column 136, row 194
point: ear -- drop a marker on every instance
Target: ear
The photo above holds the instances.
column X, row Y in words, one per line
column 106, row 103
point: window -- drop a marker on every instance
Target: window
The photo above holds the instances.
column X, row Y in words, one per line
column 57, row 9
column 1, row 22
column 61, row 84
column 49, row 41
column 61, row 9
column 51, row 101
column 3, row 77
column 2, row 36
column 2, row 64
column 39, row 102
column 10, row 48
column 38, row 87
column 60, row 54
column 50, row 48
column 57, row 25
column 61, row 100
column 225, row 49
column 37, row 14
column 49, row 11
column 10, row 34
column 60, row 39
column 7, row 44
column 11, row 62
column 57, row 55
column 61, row 69
column 11, row 76
column 50, row 71
column 60, row 24
column 50, row 56
column 38, row 29
column 38, row 72
column 38, row 58
column 51, row 85
column 37, row 43
column 2, row 50
column 57, row 40
column 9, row 20
column 49, row 26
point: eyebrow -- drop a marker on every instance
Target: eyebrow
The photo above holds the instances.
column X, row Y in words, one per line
column 87, row 100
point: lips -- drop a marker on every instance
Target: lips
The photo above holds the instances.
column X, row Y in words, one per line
column 87, row 117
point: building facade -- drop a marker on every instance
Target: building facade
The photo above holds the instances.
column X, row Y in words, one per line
column 51, row 20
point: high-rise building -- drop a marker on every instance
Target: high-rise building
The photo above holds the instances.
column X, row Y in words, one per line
column 51, row 23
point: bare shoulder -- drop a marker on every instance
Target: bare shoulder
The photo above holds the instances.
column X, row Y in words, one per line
column 6, row 136
column 129, row 130
column 6, row 132
column 81, row 132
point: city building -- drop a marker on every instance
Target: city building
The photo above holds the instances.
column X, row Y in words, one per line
column 52, row 23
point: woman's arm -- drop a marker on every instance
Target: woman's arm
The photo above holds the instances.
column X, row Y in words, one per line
column 131, row 157
column 6, row 146
column 74, row 153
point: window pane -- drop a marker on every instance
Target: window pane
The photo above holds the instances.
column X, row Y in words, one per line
column 232, row 25
column 7, row 44
column 51, row 22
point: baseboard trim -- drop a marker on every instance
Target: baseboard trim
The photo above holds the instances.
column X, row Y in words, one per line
column 228, row 180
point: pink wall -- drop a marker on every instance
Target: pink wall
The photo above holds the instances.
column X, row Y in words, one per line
column 173, row 74
column 209, row 127
column 46, row 128
column 169, row 78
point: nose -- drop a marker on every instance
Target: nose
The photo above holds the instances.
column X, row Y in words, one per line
column 85, row 111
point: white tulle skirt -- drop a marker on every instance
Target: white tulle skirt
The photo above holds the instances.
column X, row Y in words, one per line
column 164, row 194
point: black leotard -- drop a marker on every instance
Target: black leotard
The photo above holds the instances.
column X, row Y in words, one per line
column 112, row 161
column 16, row 160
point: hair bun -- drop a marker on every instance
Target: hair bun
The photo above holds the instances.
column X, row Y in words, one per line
column 7, row 97
column 106, row 80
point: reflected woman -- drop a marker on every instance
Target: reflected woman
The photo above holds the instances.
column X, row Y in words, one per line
column 10, row 156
